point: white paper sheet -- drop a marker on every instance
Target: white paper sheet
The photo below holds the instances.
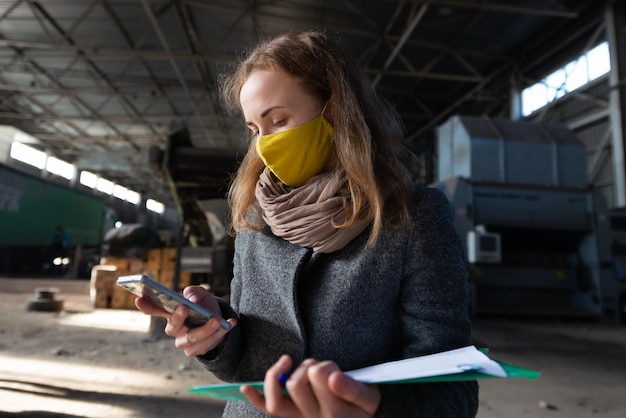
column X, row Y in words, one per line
column 447, row 362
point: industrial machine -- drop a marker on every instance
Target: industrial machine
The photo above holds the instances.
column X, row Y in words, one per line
column 538, row 237
column 199, row 179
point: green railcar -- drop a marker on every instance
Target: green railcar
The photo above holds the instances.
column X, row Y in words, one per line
column 31, row 210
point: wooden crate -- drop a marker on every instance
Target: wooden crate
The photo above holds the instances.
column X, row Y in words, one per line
column 121, row 263
column 160, row 259
column 168, row 259
column 167, row 278
column 122, row 299
column 102, row 284
column 152, row 262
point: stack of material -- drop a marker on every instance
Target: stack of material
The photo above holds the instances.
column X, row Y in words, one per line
column 159, row 264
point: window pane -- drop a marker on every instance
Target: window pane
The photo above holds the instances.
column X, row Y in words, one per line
column 556, row 84
column 533, row 98
column 105, row 186
column 155, row 206
column 576, row 74
column 60, row 168
column 133, row 197
column 88, row 179
column 28, row 155
column 120, row 191
column 599, row 61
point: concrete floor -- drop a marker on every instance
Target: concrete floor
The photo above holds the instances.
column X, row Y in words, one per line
column 582, row 364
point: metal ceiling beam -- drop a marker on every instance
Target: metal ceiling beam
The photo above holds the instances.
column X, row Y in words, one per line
column 444, row 51
column 64, row 50
column 449, row 109
column 34, row 101
column 130, row 42
column 549, row 54
column 137, row 92
column 108, row 119
column 362, row 16
column 507, row 7
column 90, row 64
column 10, row 9
column 426, row 75
column 405, row 36
column 95, row 115
column 163, row 40
column 371, row 52
column 102, row 139
column 202, row 69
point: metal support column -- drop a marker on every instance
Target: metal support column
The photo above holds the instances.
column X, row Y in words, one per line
column 614, row 17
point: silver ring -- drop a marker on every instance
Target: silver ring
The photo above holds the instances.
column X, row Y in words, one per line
column 188, row 340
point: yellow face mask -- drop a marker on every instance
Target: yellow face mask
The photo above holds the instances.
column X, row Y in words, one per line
column 297, row 154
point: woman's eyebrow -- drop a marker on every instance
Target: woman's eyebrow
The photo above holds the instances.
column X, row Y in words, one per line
column 269, row 109
column 265, row 113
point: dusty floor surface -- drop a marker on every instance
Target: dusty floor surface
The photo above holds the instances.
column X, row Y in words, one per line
column 103, row 363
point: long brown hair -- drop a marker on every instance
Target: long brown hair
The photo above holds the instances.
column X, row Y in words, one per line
column 368, row 134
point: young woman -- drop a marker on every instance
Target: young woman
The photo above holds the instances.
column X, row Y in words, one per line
column 340, row 262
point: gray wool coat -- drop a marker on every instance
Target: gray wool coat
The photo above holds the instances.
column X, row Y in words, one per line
column 406, row 297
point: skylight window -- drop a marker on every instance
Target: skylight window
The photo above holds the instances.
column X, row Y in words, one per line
column 28, row 155
column 105, row 186
column 60, row 168
column 120, row 192
column 599, row 61
column 588, row 67
column 155, row 206
column 133, row 197
column 39, row 159
column 88, row 179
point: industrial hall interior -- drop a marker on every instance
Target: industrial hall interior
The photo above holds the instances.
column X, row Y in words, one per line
column 117, row 154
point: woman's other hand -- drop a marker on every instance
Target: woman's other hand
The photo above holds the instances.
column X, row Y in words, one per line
column 316, row 389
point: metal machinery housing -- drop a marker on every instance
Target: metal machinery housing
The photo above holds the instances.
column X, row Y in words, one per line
column 538, row 237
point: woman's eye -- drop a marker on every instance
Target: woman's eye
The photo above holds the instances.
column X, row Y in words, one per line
column 280, row 122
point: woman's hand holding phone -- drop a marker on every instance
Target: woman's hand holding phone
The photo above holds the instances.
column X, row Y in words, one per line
column 193, row 341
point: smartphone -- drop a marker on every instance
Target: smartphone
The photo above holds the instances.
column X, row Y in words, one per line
column 166, row 298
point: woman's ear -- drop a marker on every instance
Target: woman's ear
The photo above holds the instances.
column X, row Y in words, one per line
column 329, row 112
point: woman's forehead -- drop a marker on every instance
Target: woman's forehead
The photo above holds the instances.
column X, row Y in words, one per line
column 265, row 88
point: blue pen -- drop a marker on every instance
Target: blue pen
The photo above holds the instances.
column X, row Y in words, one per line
column 282, row 378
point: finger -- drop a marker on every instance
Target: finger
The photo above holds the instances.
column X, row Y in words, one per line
column 189, row 341
column 299, row 388
column 176, row 322
column 197, row 294
column 254, row 397
column 201, row 296
column 272, row 388
column 200, row 340
column 318, row 376
column 366, row 397
column 148, row 307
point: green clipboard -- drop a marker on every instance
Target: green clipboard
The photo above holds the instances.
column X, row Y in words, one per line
column 230, row 391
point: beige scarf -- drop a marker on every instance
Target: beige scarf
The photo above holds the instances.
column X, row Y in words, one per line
column 304, row 215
